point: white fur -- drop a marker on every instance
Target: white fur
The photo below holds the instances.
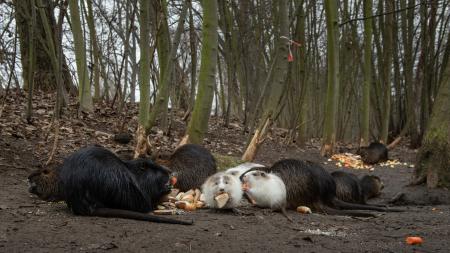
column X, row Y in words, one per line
column 233, row 187
column 267, row 192
column 241, row 168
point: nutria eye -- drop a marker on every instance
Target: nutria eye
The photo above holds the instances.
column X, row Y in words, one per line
column 46, row 172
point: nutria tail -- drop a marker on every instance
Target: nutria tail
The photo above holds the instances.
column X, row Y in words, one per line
column 332, row 211
column 351, row 206
column 126, row 214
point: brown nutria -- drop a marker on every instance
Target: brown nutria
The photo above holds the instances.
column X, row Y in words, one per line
column 371, row 186
column 93, row 181
column 309, row 184
column 351, row 189
column 192, row 163
column 374, row 153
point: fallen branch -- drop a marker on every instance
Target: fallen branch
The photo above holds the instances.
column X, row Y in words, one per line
column 399, row 137
column 55, row 143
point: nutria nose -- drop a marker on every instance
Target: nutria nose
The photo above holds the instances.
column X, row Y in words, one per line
column 31, row 187
column 221, row 189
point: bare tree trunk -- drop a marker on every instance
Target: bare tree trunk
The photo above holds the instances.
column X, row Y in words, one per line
column 303, row 85
column 272, row 107
column 387, row 63
column 434, row 156
column 198, row 125
column 162, row 96
column 95, row 50
column 142, row 146
column 31, row 61
column 85, row 96
column 329, row 135
column 44, row 78
column 367, row 73
column 193, row 47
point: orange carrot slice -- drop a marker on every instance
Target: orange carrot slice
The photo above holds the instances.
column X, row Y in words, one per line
column 413, row 240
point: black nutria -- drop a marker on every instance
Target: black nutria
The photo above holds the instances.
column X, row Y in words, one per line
column 374, row 153
column 351, row 189
column 95, row 182
column 192, row 163
column 123, row 138
column 308, row 184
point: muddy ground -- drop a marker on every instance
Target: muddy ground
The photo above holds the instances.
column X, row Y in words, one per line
column 30, row 225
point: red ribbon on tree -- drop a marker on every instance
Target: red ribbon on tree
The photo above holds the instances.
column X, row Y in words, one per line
column 290, row 57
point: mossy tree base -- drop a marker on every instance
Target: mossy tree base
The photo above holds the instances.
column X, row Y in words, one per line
column 433, row 161
column 433, row 164
column 225, row 162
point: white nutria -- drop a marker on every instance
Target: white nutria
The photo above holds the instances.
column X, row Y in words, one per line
column 266, row 190
column 222, row 183
column 242, row 168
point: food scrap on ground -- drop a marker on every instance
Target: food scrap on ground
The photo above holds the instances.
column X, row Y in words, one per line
column 350, row 160
column 178, row 202
column 304, row 209
column 392, row 163
column 413, row 240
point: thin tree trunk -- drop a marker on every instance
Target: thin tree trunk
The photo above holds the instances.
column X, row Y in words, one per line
column 329, row 134
column 142, row 146
column 85, row 96
column 407, row 20
column 95, row 51
column 303, row 85
column 31, row 61
column 367, row 73
column 387, row 63
column 162, row 96
column 198, row 125
column 272, row 107
column 193, row 47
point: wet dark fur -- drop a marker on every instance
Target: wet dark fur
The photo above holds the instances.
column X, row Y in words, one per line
column 308, row 184
column 123, row 138
column 192, row 163
column 351, row 189
column 94, row 181
column 376, row 152
column 371, row 186
column 47, row 185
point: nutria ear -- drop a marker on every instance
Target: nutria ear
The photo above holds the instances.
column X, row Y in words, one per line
column 166, row 169
column 161, row 155
column 149, row 164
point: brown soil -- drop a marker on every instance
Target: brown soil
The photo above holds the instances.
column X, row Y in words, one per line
column 30, row 225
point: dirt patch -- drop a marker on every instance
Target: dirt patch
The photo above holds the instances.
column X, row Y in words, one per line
column 28, row 224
